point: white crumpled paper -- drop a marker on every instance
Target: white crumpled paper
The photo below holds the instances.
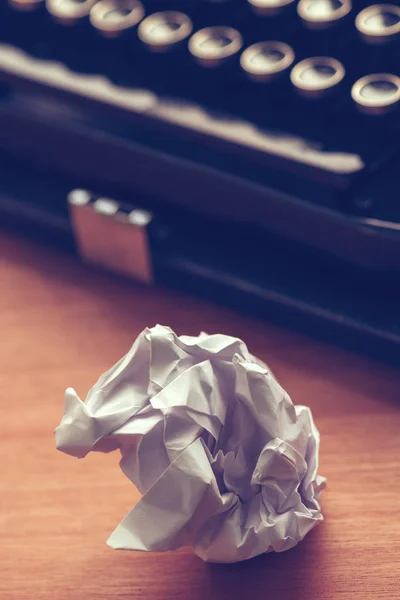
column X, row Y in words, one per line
column 224, row 461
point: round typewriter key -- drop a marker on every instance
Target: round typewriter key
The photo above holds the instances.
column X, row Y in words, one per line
column 266, row 60
column 113, row 17
column 25, row 5
column 164, row 31
column 317, row 76
column 379, row 24
column 214, row 46
column 321, row 14
column 69, row 12
column 269, row 7
column 377, row 93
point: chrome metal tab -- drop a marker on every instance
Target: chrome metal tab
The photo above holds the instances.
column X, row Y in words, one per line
column 111, row 237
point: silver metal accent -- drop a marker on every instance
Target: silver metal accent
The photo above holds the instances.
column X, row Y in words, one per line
column 109, row 237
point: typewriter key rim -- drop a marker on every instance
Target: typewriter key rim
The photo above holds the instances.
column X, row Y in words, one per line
column 257, row 73
column 114, row 28
column 323, row 21
column 268, row 7
column 25, row 5
column 374, row 105
column 69, row 12
column 177, row 37
column 307, row 89
column 376, row 35
column 211, row 58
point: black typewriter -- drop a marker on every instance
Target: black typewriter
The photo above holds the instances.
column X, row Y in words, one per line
column 246, row 150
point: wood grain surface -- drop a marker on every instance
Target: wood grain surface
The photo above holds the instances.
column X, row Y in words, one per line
column 62, row 324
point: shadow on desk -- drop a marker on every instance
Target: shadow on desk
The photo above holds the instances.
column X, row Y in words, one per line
column 297, row 574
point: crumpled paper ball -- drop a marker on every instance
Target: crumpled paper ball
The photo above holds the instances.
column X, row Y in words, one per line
column 224, row 461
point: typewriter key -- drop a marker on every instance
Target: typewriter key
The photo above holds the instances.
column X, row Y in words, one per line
column 164, row 31
column 25, row 5
column 265, row 61
column 378, row 93
column 214, row 46
column 269, row 7
column 69, row 12
column 379, row 24
column 114, row 17
column 321, row 14
column 318, row 76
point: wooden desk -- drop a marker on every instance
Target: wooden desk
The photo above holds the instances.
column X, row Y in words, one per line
column 62, row 324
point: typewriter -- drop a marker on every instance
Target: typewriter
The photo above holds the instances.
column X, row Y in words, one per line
column 244, row 150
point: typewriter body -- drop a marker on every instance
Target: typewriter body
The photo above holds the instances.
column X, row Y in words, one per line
column 247, row 150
